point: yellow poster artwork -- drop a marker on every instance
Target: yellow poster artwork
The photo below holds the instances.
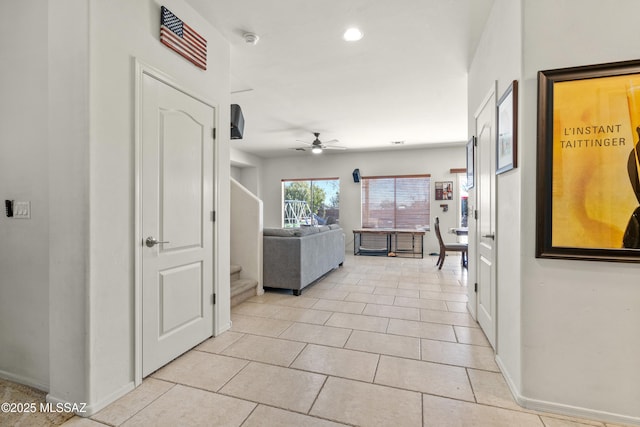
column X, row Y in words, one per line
column 595, row 189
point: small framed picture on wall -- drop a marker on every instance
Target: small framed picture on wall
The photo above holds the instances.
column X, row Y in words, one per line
column 471, row 150
column 507, row 144
column 444, row 190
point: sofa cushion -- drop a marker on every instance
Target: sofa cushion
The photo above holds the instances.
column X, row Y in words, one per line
column 305, row 231
column 280, row 232
column 292, row 232
column 334, row 226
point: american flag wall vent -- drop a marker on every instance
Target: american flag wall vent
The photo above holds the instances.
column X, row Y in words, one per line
column 181, row 38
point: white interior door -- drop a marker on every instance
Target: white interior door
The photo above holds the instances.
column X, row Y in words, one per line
column 486, row 224
column 176, row 191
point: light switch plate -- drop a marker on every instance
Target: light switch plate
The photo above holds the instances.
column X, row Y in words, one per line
column 22, row 210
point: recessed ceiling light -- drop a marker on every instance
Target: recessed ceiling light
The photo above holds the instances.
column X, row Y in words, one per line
column 251, row 38
column 352, row 35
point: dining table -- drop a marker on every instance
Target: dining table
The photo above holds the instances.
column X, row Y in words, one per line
column 460, row 231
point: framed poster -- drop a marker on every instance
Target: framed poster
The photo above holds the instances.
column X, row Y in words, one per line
column 471, row 150
column 507, row 144
column 588, row 164
column 444, row 190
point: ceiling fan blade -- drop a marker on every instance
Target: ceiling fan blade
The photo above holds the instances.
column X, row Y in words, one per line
column 297, row 148
column 319, row 144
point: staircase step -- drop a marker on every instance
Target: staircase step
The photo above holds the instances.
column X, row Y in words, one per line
column 242, row 290
column 241, row 285
column 235, row 272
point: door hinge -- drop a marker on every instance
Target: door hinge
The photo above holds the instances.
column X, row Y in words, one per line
column 213, row 216
column 475, row 214
column 213, row 299
column 475, row 287
column 214, row 133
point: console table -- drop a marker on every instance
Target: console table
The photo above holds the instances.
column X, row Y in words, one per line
column 388, row 241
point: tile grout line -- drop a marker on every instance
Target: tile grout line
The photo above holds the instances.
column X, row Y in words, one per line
column 249, row 415
column 455, row 334
column 375, row 372
column 367, row 330
column 473, row 390
column 297, row 356
column 317, row 395
column 380, row 355
column 145, row 406
column 349, row 349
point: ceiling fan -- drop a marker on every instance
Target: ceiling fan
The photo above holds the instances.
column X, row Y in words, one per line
column 318, row 146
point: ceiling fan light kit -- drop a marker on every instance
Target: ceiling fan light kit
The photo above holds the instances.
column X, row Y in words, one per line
column 318, row 146
column 352, row 35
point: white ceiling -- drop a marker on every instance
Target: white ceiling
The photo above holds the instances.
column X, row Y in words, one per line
column 406, row 80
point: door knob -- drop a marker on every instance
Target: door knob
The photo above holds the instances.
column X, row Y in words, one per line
column 489, row 236
column 151, row 242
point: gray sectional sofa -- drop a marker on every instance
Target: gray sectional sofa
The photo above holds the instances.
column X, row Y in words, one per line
column 295, row 257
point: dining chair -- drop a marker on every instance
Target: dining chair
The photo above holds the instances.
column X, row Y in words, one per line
column 449, row 247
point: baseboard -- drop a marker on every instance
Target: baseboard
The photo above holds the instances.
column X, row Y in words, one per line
column 89, row 409
column 560, row 408
column 19, row 379
column 472, row 310
column 222, row 329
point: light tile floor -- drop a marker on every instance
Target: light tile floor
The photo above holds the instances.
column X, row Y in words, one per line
column 378, row 342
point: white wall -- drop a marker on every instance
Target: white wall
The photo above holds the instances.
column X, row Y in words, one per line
column 24, row 252
column 236, row 173
column 112, row 236
column 580, row 320
column 67, row 132
column 568, row 331
column 434, row 161
column 248, row 167
column 69, row 200
column 498, row 57
column 246, row 233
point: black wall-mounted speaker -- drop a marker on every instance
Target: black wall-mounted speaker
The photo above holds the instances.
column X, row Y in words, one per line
column 356, row 175
column 237, row 122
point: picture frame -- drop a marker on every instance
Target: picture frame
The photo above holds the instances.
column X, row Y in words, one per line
column 471, row 151
column 588, row 163
column 507, row 118
column 444, row 190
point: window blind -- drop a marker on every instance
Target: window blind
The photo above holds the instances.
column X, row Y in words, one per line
column 401, row 202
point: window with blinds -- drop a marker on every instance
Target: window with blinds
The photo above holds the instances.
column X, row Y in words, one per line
column 396, row 202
